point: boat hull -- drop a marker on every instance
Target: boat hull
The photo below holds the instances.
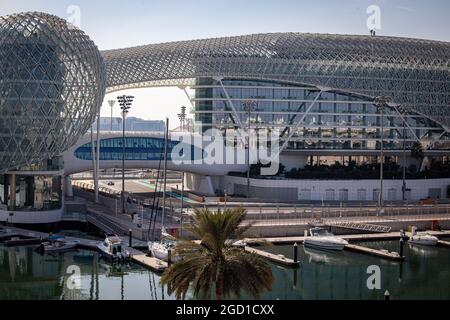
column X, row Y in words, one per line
column 112, row 257
column 424, row 242
column 60, row 249
column 160, row 252
column 317, row 244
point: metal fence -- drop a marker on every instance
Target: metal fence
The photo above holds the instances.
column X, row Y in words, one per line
column 302, row 215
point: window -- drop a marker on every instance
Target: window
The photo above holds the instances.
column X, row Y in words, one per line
column 136, row 148
column 361, row 196
column 329, row 195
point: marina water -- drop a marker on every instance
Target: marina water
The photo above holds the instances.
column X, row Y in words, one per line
column 25, row 274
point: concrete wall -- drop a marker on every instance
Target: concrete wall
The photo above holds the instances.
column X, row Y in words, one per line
column 112, row 203
column 32, row 217
column 336, row 190
column 206, row 185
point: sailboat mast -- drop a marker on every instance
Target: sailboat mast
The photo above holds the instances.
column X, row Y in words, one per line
column 166, row 137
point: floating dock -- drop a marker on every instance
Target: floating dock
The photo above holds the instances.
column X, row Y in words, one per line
column 349, row 237
column 381, row 253
column 29, row 237
column 385, row 254
column 149, row 262
column 152, row 263
column 278, row 259
column 445, row 244
column 22, row 242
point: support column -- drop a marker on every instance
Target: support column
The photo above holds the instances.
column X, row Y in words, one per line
column 94, row 165
column 12, row 192
column 97, row 159
column 68, row 184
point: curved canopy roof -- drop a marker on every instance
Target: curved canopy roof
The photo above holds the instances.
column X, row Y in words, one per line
column 413, row 73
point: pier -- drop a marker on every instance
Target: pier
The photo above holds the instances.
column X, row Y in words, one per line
column 385, row 254
column 349, row 237
column 381, row 253
column 445, row 244
column 34, row 237
column 17, row 236
column 278, row 259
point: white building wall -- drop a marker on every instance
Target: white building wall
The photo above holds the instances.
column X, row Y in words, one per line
column 318, row 190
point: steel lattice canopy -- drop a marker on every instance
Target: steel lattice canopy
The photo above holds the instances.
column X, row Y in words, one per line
column 412, row 73
column 53, row 78
column 52, row 84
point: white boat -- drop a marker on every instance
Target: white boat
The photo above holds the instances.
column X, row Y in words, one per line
column 57, row 245
column 160, row 250
column 112, row 248
column 423, row 240
column 321, row 238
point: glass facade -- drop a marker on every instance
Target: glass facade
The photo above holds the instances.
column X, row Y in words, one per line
column 52, row 84
column 32, row 193
column 136, row 148
column 336, row 121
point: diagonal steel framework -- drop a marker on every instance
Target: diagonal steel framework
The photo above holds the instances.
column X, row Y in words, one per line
column 52, row 84
column 53, row 78
column 413, row 73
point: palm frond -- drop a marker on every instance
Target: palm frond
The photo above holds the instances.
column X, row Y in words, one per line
column 213, row 263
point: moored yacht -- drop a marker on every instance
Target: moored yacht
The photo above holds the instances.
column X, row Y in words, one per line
column 112, row 248
column 57, row 245
column 423, row 240
column 321, row 238
column 160, row 249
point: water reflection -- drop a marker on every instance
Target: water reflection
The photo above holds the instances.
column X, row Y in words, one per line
column 342, row 275
column 425, row 274
column 423, row 251
column 25, row 274
column 327, row 257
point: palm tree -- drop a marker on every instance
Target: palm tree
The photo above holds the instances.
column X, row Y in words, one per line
column 213, row 263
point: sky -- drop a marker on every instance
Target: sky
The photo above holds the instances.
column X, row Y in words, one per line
column 118, row 24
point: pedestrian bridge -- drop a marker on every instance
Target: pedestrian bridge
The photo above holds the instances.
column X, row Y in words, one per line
column 146, row 149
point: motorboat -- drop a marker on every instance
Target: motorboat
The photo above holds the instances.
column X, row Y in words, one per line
column 112, row 248
column 57, row 245
column 321, row 238
column 423, row 239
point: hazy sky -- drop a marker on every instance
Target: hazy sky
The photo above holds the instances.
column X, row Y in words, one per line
column 117, row 24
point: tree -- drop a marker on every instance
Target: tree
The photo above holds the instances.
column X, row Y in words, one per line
column 213, row 263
